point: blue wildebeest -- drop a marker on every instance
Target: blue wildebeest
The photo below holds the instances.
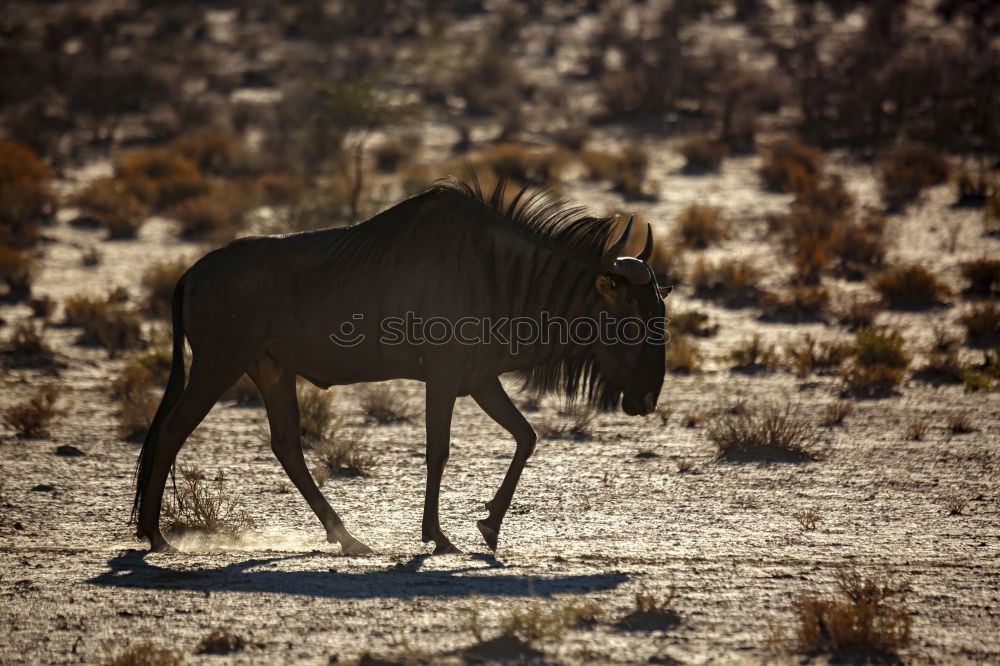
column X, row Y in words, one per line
column 268, row 306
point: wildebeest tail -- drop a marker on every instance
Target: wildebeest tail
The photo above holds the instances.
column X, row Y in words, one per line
column 175, row 386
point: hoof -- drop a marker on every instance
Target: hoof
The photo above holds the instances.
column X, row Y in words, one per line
column 489, row 534
column 355, row 548
column 447, row 548
column 162, row 547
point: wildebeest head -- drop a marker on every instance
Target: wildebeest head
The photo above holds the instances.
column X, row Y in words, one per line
column 632, row 356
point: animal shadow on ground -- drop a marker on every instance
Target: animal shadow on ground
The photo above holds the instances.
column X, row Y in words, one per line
column 401, row 581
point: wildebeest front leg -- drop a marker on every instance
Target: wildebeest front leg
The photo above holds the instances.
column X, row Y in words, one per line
column 497, row 404
column 440, row 404
column 282, row 407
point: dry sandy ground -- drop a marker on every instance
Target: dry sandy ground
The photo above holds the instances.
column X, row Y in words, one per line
column 591, row 519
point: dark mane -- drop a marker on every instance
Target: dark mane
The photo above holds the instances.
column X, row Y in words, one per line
column 552, row 221
column 568, row 230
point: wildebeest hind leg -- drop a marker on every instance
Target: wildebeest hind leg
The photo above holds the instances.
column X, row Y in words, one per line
column 206, row 383
column 282, row 407
column 495, row 402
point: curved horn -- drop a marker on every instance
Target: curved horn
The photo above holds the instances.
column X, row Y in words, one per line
column 613, row 252
column 647, row 251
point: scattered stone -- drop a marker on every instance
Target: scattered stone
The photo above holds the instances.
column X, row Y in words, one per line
column 18, row 526
column 647, row 454
column 44, row 488
column 220, row 641
column 68, row 450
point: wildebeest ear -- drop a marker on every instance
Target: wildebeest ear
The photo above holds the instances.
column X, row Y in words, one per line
column 609, row 290
column 665, row 291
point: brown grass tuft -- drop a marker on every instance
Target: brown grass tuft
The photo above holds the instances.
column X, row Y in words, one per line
column 383, row 404
column 32, row 417
column 879, row 362
column 146, row 654
column 651, row 612
column 17, row 273
column 916, row 429
column 200, row 508
column 132, row 393
column 907, row 169
column 537, row 622
column 809, row 355
column 983, row 276
column 807, row 519
column 108, row 322
column 683, row 356
column 801, row 303
column 700, row 226
column 112, row 203
column 754, row 355
column 702, row 154
column 982, row 325
column 910, row 287
column 855, row 311
column 955, row 505
column 26, row 348
column 343, row 453
column 960, row 424
column 733, row 283
column 220, row 641
column 772, row 433
column 835, row 413
column 159, row 281
column 316, row 417
column 790, row 166
column 861, row 621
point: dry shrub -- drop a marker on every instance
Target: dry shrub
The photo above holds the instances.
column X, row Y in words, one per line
column 754, row 356
column 26, row 347
column 216, row 216
column 136, row 405
column 907, row 169
column 732, row 282
column 537, row 622
column 159, row 281
column 691, row 322
column 108, row 322
column 652, row 613
column 700, row 226
column 220, row 641
column 277, row 189
column 17, row 272
column 916, row 429
column 857, row 311
column 799, row 303
column 790, row 166
column 960, row 424
column 862, row 621
column 807, row 519
column 198, row 507
column 111, row 202
column 771, row 433
column 860, row 247
column 984, row 377
column 910, row 287
column 982, row 325
column 702, row 154
column 835, row 413
column 520, row 164
column 26, row 197
column 683, row 356
column 879, row 362
column 810, row 355
column 626, row 170
column 383, row 404
column 983, row 276
column 943, row 365
column 32, row 417
column 211, row 151
column 393, row 152
column 316, row 417
column 146, row 654
column 159, row 177
column 343, row 453
column 955, row 505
